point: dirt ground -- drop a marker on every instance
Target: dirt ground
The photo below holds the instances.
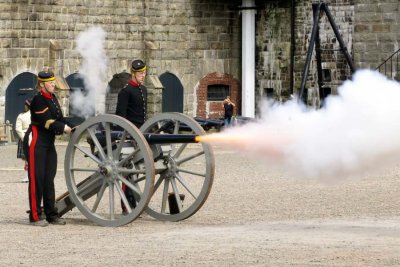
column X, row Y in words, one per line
column 253, row 217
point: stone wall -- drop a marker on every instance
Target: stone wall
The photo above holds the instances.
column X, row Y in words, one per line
column 370, row 30
column 193, row 39
column 377, row 31
column 273, row 49
column 205, row 40
column 187, row 38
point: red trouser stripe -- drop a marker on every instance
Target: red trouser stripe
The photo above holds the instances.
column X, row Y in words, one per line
column 122, row 203
column 32, row 180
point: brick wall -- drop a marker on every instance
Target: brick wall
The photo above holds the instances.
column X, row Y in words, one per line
column 214, row 109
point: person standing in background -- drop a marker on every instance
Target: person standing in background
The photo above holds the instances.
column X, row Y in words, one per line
column 228, row 106
column 21, row 126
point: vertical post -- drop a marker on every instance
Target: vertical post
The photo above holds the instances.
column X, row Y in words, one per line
column 292, row 46
column 319, row 63
column 339, row 38
column 248, row 58
column 317, row 11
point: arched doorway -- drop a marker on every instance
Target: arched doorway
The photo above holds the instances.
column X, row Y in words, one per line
column 172, row 99
column 21, row 88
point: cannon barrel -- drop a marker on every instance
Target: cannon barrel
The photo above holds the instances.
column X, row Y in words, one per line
column 151, row 138
column 170, row 138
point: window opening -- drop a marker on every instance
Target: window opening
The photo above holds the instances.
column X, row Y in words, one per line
column 217, row 92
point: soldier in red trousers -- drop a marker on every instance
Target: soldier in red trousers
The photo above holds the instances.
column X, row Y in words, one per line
column 47, row 121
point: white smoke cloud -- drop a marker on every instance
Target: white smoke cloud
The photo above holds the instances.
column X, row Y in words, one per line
column 90, row 45
column 356, row 132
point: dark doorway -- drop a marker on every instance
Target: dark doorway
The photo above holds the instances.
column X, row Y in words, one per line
column 75, row 83
column 118, row 82
column 172, row 100
column 21, row 88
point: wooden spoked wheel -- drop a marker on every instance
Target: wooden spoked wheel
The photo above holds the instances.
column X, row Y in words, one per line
column 101, row 161
column 184, row 172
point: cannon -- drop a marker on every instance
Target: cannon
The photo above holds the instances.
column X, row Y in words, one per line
column 168, row 170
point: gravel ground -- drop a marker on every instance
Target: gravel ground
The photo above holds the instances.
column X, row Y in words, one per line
column 252, row 217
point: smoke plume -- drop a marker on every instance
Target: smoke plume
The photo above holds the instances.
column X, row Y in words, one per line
column 356, row 132
column 90, row 45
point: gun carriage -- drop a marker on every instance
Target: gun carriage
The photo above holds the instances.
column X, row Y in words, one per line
column 170, row 173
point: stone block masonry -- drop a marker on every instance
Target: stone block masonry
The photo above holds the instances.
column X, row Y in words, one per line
column 175, row 36
column 193, row 39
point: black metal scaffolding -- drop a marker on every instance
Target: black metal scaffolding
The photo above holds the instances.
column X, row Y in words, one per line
column 315, row 41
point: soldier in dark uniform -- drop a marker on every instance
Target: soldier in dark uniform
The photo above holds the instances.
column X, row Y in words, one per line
column 132, row 99
column 132, row 105
column 47, row 121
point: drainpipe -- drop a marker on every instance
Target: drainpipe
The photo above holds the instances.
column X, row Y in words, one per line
column 292, row 46
column 248, row 58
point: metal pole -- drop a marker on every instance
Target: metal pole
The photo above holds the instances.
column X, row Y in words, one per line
column 339, row 38
column 317, row 11
column 292, row 47
column 319, row 65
